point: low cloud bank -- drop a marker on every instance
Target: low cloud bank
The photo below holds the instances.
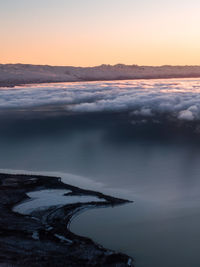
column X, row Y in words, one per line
column 179, row 98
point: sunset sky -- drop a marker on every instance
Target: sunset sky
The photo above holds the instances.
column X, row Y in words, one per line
column 94, row 32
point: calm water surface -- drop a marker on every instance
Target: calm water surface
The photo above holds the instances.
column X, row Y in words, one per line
column 161, row 227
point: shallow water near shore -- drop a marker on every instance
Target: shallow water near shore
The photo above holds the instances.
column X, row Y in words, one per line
column 159, row 170
column 43, row 199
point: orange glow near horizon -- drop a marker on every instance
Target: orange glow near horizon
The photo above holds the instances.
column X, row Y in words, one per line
column 97, row 32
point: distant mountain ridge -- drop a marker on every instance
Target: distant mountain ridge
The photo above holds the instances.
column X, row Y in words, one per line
column 14, row 74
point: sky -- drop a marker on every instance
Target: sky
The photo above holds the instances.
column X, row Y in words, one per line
column 94, row 32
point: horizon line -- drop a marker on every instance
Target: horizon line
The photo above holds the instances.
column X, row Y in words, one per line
column 103, row 64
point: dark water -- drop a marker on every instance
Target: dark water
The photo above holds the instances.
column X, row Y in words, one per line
column 157, row 168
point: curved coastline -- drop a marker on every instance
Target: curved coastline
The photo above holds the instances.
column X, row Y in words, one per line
column 43, row 238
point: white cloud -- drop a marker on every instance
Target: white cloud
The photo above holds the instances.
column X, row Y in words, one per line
column 179, row 98
column 186, row 115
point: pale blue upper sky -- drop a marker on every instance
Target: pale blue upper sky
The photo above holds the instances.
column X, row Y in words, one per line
column 91, row 32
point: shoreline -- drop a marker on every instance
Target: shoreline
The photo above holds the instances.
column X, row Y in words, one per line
column 46, row 234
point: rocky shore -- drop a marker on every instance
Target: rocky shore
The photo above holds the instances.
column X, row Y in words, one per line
column 43, row 237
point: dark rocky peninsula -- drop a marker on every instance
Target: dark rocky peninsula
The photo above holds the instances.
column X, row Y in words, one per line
column 43, row 238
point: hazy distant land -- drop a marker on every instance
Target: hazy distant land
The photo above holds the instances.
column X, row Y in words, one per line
column 15, row 74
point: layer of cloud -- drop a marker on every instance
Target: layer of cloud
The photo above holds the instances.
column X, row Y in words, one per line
column 179, row 98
